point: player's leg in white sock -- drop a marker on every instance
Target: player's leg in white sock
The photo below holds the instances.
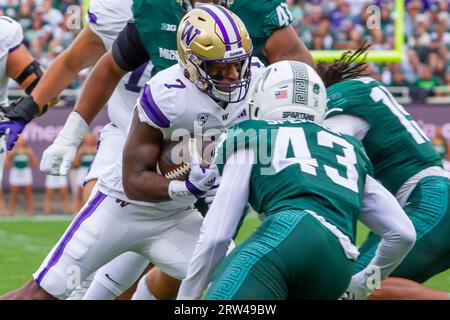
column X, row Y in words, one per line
column 142, row 290
column 118, row 275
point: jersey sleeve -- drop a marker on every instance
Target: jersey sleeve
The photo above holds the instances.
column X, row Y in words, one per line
column 383, row 215
column 219, row 226
column 11, row 34
column 347, row 97
column 257, row 67
column 127, row 49
column 355, row 126
column 276, row 16
column 107, row 18
column 156, row 106
column 362, row 152
column 241, row 136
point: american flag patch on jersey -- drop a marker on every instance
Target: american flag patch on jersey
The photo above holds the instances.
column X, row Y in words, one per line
column 281, row 94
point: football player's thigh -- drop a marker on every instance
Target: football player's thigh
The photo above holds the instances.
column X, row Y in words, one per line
column 110, row 145
column 429, row 212
column 172, row 251
column 94, row 237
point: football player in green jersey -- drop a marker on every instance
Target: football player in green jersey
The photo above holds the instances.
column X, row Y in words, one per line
column 405, row 162
column 310, row 184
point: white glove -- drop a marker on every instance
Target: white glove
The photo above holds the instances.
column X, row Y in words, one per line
column 58, row 157
column 200, row 180
column 209, row 195
column 358, row 288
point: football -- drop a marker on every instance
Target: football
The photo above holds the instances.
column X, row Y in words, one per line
column 175, row 157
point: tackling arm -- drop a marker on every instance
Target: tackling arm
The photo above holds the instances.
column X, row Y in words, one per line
column 219, row 225
column 351, row 125
column 284, row 44
column 126, row 55
column 85, row 51
column 383, row 215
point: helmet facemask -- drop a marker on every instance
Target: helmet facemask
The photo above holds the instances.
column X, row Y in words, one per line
column 214, row 86
column 211, row 35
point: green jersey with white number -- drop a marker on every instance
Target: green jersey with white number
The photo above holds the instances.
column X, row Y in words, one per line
column 302, row 166
column 396, row 145
column 157, row 22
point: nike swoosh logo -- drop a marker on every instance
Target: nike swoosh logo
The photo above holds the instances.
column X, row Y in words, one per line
column 107, row 276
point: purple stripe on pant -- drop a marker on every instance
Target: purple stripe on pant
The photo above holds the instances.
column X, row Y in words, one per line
column 86, row 213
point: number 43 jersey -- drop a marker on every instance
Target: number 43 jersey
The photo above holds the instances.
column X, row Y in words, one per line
column 396, row 145
column 301, row 165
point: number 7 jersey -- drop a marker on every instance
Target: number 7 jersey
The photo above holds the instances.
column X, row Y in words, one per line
column 301, row 165
column 396, row 145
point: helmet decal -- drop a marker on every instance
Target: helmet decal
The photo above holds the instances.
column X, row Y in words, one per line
column 227, row 26
column 300, row 83
column 210, row 36
column 289, row 90
column 189, row 33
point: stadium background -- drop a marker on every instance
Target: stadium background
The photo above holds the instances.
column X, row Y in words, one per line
column 421, row 82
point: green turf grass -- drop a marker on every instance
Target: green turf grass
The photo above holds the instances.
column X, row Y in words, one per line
column 25, row 242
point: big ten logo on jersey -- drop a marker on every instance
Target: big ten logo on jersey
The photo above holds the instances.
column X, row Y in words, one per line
column 168, row 27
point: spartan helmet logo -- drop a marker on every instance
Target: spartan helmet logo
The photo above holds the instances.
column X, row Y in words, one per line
column 202, row 118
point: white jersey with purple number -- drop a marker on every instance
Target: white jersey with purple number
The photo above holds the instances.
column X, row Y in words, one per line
column 11, row 36
column 123, row 100
column 107, row 18
column 173, row 104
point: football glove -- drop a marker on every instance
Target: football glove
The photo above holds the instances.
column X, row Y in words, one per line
column 58, row 157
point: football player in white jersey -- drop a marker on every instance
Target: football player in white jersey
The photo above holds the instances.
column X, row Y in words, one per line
column 106, row 19
column 58, row 156
column 16, row 63
column 144, row 212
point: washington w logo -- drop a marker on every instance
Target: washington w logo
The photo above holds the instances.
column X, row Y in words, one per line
column 189, row 33
column 300, row 84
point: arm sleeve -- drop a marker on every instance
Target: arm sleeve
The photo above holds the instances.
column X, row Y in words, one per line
column 127, row 50
column 351, row 125
column 155, row 106
column 219, row 225
column 11, row 35
column 277, row 16
column 383, row 215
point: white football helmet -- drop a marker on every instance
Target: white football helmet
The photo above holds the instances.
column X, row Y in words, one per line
column 289, row 90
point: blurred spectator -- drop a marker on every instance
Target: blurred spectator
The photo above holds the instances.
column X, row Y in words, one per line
column 21, row 159
column 322, row 25
column 423, row 87
column 45, row 30
column 446, row 160
column 345, row 24
column 439, row 143
column 51, row 15
column 56, row 184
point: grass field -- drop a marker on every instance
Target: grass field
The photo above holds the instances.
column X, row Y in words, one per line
column 24, row 243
